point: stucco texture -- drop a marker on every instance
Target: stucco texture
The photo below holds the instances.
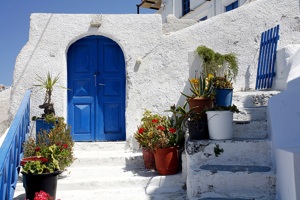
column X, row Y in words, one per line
column 157, row 65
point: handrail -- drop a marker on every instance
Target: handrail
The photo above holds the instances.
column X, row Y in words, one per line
column 11, row 149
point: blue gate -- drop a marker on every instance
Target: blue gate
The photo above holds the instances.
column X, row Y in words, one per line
column 267, row 58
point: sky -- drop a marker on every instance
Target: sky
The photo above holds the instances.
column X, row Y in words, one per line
column 15, row 19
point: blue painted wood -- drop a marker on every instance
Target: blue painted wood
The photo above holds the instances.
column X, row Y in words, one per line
column 267, row 58
column 11, row 149
column 96, row 77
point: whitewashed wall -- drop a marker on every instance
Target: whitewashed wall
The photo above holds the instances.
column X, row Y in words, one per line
column 199, row 8
column 284, row 117
column 166, row 60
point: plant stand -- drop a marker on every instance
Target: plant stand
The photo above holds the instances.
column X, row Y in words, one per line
column 220, row 125
column 36, row 182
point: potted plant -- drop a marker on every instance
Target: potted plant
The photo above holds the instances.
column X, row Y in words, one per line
column 143, row 137
column 46, row 121
column 220, row 119
column 45, row 158
column 195, row 122
column 162, row 142
column 202, row 93
column 224, row 69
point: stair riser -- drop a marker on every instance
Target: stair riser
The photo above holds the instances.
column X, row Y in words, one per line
column 99, row 146
column 246, row 152
column 229, row 184
column 251, row 114
column 253, row 129
column 252, row 99
column 128, row 162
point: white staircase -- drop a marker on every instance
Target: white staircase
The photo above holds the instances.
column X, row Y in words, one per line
column 105, row 170
column 244, row 170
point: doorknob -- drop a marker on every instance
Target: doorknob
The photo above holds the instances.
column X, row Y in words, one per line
column 101, row 84
column 95, row 78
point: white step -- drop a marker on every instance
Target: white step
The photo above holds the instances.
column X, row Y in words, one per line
column 252, row 98
column 236, row 152
column 109, row 171
column 235, row 181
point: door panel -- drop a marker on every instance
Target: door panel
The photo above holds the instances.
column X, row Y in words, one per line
column 96, row 101
column 111, row 95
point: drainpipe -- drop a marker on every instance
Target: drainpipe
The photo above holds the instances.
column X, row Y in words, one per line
column 137, row 9
column 215, row 9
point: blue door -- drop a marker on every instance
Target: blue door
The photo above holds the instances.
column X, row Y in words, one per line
column 96, row 99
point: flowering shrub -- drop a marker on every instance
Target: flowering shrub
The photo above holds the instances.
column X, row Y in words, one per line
column 50, row 151
column 155, row 132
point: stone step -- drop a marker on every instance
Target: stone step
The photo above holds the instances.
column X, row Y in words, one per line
column 252, row 98
column 244, row 152
column 251, row 114
column 231, row 181
column 109, row 171
column 100, row 146
column 250, row 129
column 124, row 158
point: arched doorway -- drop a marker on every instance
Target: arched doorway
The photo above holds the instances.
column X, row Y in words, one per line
column 96, row 95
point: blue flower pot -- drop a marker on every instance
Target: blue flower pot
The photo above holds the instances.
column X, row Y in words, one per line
column 223, row 97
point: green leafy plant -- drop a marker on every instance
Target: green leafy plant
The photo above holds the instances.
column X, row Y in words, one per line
column 201, row 88
column 232, row 108
column 48, row 84
column 224, row 67
column 155, row 131
column 55, row 147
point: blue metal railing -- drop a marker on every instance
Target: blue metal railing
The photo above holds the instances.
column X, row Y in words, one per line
column 11, row 149
column 267, row 58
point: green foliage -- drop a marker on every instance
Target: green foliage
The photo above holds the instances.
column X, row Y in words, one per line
column 48, row 84
column 55, row 145
column 218, row 150
column 201, row 87
column 232, row 108
column 219, row 65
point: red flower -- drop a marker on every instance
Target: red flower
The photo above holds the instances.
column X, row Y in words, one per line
column 154, row 120
column 65, row 146
column 161, row 128
column 43, row 160
column 172, row 130
column 141, row 130
column 58, row 143
column 37, row 149
column 42, row 196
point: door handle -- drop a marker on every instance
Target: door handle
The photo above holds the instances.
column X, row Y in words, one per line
column 101, row 84
column 95, row 78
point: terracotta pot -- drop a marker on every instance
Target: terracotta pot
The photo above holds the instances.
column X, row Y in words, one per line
column 166, row 160
column 149, row 160
column 200, row 103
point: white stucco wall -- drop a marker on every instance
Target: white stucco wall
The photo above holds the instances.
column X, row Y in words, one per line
column 166, row 60
column 199, row 8
column 284, row 117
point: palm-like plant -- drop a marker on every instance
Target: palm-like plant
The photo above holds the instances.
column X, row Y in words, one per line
column 47, row 84
column 201, row 87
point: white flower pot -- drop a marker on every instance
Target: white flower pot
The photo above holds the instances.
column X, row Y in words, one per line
column 220, row 125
